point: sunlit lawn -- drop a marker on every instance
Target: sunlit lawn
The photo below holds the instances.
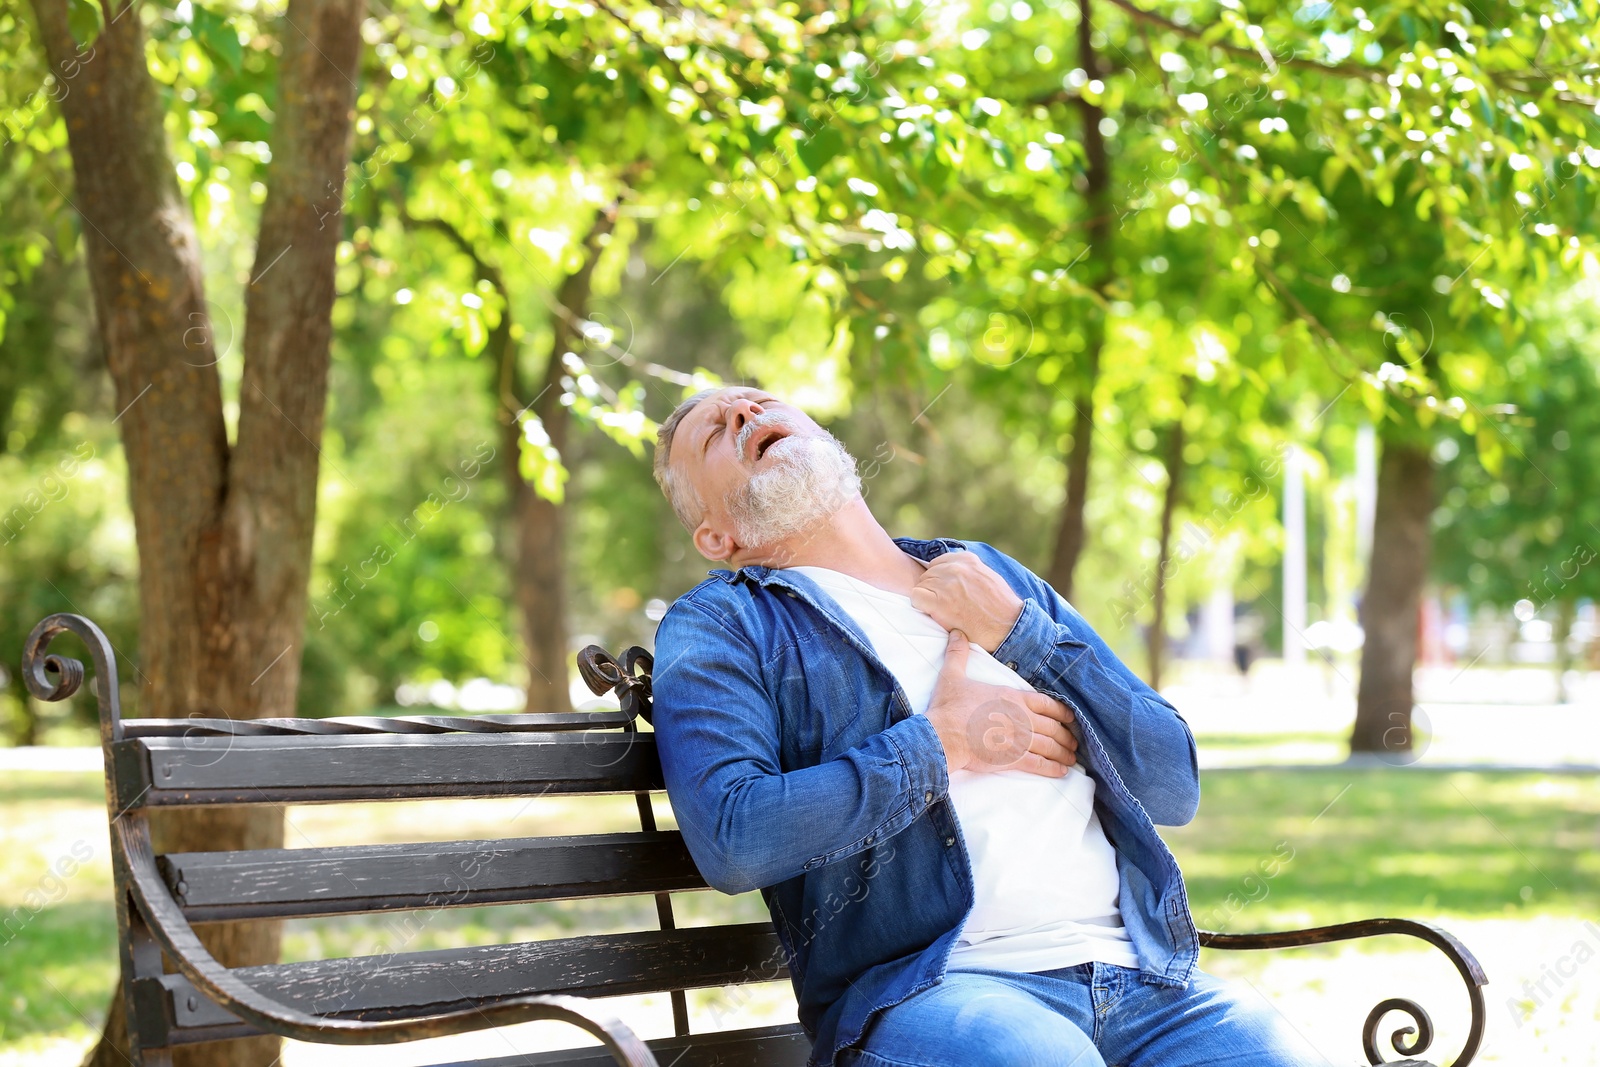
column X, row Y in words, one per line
column 1509, row 862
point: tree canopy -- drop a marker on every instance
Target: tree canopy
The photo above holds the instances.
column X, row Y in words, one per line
column 1309, row 218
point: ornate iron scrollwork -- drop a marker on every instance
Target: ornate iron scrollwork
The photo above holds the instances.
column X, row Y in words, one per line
column 38, row 664
column 1423, row 1030
column 630, row 679
column 1408, row 1040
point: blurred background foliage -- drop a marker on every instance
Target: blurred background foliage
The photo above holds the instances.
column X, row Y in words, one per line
column 1324, row 217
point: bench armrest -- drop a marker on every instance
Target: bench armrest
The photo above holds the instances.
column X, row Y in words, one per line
column 172, row 931
column 1402, row 1040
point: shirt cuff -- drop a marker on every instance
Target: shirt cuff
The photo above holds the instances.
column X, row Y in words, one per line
column 1030, row 642
column 922, row 756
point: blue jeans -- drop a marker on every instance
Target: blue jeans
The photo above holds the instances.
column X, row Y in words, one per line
column 1092, row 1015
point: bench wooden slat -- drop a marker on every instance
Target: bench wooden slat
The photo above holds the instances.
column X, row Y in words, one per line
column 171, row 1011
column 764, row 1046
column 279, row 883
column 195, row 727
column 169, row 771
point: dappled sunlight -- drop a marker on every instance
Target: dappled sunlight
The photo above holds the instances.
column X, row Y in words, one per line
column 1394, row 843
column 343, row 352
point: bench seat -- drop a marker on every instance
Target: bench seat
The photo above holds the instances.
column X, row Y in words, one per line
column 764, row 1046
column 156, row 764
column 409, row 984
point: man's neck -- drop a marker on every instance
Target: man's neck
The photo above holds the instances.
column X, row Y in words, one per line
column 849, row 541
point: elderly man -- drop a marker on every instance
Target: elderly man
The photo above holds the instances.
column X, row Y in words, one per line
column 943, row 782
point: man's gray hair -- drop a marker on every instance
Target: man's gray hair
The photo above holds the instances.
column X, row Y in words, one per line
column 685, row 501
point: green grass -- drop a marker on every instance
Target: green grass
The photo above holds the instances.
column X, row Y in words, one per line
column 57, row 928
column 1208, row 741
column 1390, row 842
column 1363, row 843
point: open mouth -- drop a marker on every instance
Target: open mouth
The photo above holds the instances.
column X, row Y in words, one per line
column 765, row 439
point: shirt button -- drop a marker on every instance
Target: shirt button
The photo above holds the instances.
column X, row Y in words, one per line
column 949, row 841
column 1012, row 664
column 870, row 838
column 927, row 796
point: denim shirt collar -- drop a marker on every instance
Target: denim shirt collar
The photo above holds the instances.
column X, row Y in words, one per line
column 763, row 575
column 802, row 587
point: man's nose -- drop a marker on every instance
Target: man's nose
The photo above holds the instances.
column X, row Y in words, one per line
column 742, row 411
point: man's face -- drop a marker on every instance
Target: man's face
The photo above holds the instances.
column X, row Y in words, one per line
column 763, row 468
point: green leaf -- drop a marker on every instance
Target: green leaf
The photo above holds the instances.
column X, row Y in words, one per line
column 1425, row 204
column 816, row 151
column 84, row 20
column 539, row 462
column 218, row 38
column 541, row 466
column 1333, row 169
column 1491, row 453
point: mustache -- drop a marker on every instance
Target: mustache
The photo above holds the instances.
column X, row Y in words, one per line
column 765, row 420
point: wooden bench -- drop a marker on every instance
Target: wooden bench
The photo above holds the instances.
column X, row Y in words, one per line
column 177, row 994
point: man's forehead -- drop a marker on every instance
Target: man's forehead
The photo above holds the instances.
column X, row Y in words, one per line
column 694, row 423
column 707, row 407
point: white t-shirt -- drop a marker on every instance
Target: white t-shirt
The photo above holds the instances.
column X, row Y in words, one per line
column 1045, row 877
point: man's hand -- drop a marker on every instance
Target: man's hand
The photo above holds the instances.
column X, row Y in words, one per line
column 996, row 728
column 961, row 593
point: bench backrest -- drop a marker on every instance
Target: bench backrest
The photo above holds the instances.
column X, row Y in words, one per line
column 163, row 764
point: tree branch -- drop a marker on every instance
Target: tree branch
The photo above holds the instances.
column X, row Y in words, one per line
column 1345, row 70
column 1502, row 78
column 272, row 491
column 508, row 386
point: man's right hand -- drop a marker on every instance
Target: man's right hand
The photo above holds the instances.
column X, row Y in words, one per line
column 997, row 728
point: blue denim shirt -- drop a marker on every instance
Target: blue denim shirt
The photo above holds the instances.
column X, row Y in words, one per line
column 795, row 766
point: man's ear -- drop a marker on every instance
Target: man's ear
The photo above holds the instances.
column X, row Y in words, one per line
column 712, row 543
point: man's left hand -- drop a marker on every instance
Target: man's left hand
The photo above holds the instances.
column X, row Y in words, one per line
column 961, row 592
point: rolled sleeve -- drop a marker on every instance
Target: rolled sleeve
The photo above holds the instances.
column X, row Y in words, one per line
column 922, row 756
column 747, row 822
column 1032, row 639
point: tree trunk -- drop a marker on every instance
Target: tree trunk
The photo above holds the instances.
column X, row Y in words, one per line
column 24, row 720
column 541, row 524
column 1072, row 536
column 1566, row 615
column 1401, row 546
column 539, row 559
column 1156, row 640
column 223, row 533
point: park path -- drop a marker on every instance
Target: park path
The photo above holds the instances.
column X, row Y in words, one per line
column 1280, row 717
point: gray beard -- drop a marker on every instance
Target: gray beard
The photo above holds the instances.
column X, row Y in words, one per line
column 806, row 480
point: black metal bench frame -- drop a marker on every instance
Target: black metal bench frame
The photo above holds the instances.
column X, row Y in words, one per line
column 160, row 763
